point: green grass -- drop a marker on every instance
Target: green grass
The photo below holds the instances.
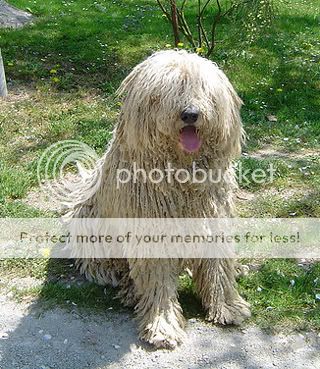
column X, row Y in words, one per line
column 284, row 293
column 64, row 71
column 280, row 291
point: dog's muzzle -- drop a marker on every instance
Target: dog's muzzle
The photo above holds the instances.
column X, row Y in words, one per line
column 189, row 139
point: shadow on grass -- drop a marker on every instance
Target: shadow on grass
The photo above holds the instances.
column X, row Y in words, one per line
column 80, row 43
column 63, row 283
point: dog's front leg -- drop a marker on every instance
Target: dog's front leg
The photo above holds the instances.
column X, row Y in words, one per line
column 158, row 311
column 216, row 285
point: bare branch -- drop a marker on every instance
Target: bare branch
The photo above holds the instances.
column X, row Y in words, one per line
column 205, row 36
column 203, row 31
column 219, row 7
column 183, row 25
column 199, row 24
column 183, row 4
column 175, row 23
column 164, row 11
column 215, row 23
column 204, row 7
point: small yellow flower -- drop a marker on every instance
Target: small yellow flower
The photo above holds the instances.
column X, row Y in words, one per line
column 167, row 46
column 180, row 44
column 10, row 64
column 53, row 71
column 199, row 50
column 45, row 252
column 55, row 79
column 279, row 89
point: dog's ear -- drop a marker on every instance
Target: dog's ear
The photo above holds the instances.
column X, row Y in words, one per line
column 237, row 133
column 128, row 83
column 229, row 107
column 135, row 121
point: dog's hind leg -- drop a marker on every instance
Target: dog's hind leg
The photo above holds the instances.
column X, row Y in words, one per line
column 103, row 271
column 215, row 282
column 158, row 311
column 127, row 293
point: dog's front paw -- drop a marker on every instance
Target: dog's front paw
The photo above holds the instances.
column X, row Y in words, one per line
column 234, row 312
column 161, row 341
column 163, row 335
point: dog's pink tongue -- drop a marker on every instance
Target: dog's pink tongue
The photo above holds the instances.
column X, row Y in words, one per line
column 189, row 139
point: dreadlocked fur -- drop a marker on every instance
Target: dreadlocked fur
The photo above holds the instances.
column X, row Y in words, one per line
column 154, row 95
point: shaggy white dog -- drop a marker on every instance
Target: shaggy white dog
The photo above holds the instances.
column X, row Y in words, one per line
column 180, row 108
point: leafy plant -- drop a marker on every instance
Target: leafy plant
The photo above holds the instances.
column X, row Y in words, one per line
column 201, row 31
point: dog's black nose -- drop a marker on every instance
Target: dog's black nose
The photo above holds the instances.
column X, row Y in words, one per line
column 190, row 115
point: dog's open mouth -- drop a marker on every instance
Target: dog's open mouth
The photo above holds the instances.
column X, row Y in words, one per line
column 189, row 139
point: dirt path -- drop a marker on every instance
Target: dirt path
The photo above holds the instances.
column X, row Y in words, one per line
column 31, row 338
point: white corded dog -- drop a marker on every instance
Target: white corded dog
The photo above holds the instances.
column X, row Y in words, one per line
column 180, row 108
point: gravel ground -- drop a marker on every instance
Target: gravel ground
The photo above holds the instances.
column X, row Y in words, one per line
column 33, row 338
column 11, row 17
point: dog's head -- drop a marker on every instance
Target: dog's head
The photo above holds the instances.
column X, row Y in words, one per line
column 182, row 100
